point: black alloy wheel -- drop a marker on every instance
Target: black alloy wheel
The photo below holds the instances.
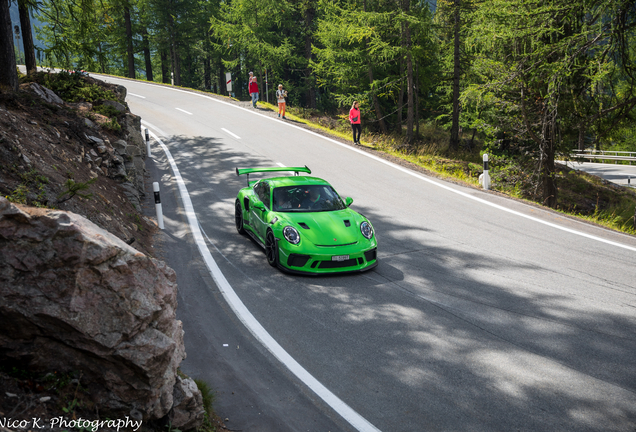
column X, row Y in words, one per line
column 271, row 249
column 238, row 217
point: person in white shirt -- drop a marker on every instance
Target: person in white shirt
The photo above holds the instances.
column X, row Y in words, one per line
column 280, row 95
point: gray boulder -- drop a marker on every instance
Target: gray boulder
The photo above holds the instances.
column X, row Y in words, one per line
column 45, row 93
column 74, row 297
column 187, row 409
column 118, row 106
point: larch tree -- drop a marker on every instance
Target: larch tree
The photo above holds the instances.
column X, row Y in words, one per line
column 8, row 72
column 538, row 60
column 24, row 8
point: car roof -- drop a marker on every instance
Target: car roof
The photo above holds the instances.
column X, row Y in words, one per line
column 295, row 181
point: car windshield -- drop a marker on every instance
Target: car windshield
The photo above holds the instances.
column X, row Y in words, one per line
column 312, row 198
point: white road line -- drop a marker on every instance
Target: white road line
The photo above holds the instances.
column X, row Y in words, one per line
column 246, row 317
column 136, row 95
column 230, row 133
column 414, row 174
column 151, row 126
column 182, row 110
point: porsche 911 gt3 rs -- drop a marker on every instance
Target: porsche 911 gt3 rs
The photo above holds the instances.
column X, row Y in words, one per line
column 303, row 224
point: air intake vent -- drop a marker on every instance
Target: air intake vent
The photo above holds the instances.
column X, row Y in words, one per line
column 303, row 224
column 296, row 260
column 347, row 223
column 371, row 255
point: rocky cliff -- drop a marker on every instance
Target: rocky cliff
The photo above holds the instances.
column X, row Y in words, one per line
column 75, row 297
column 77, row 302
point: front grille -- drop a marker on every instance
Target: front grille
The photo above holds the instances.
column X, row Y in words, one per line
column 371, row 255
column 346, row 244
column 296, row 260
column 338, row 264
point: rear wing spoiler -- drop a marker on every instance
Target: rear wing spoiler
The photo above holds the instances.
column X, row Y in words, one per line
column 249, row 171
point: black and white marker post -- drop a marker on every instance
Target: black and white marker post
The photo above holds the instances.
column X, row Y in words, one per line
column 484, row 179
column 155, row 188
column 629, row 178
column 148, row 142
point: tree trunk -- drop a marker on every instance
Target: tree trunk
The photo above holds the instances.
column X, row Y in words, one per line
column 222, row 83
column 101, row 59
column 27, row 39
column 581, row 140
column 310, row 94
column 207, row 62
column 409, row 77
column 416, row 88
column 129, row 42
column 8, row 72
column 262, row 89
column 176, row 65
column 147, row 59
column 376, row 103
column 548, row 174
column 400, row 104
column 174, row 52
column 207, row 71
column 165, row 73
column 454, row 138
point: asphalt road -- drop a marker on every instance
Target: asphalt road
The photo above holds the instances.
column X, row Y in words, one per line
column 624, row 175
column 484, row 314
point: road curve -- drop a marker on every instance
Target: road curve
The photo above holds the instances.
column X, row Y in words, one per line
column 484, row 313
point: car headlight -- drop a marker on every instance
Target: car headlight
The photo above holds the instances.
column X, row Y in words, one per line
column 366, row 229
column 291, row 235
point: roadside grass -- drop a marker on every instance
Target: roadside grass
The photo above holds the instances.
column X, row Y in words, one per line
column 303, row 116
column 211, row 422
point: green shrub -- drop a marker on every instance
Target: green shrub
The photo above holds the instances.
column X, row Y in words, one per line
column 106, row 110
column 72, row 88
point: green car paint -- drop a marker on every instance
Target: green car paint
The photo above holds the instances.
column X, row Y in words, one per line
column 303, row 224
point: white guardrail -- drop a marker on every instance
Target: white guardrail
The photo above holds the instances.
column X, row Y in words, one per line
column 600, row 155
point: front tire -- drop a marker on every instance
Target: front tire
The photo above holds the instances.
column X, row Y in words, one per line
column 238, row 217
column 271, row 249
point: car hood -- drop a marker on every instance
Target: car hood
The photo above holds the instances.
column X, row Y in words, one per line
column 327, row 228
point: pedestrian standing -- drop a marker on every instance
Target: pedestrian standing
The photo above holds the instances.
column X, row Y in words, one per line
column 253, row 89
column 281, row 95
column 354, row 118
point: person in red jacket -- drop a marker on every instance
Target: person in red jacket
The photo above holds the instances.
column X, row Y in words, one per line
column 354, row 118
column 253, row 89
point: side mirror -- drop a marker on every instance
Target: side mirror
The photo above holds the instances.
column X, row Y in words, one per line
column 259, row 205
column 348, row 201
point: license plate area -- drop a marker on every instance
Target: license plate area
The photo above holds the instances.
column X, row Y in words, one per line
column 340, row 258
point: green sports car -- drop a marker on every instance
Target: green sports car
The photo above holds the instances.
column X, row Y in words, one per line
column 303, row 224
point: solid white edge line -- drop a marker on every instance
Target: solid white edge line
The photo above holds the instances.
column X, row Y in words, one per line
column 246, row 317
column 150, row 125
column 414, row 174
column 230, row 133
column 136, row 95
column 182, row 110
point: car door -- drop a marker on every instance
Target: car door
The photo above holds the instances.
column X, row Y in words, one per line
column 258, row 213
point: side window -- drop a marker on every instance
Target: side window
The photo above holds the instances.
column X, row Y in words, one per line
column 257, row 188
column 263, row 193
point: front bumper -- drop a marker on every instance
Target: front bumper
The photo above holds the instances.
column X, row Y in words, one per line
column 319, row 260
